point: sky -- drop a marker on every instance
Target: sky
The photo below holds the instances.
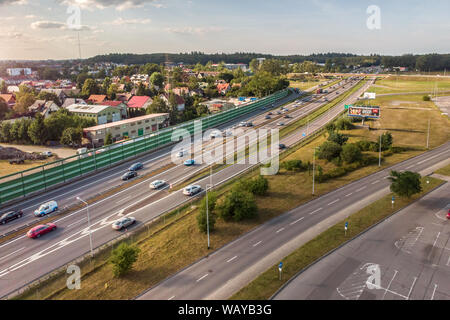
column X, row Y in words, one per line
column 49, row 29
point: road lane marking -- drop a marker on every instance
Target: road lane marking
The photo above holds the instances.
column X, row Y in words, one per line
column 292, row 223
column 257, row 243
column 333, row 202
column 410, row 166
column 76, row 222
column 389, row 285
column 412, row 287
column 434, row 291
column 348, row 195
column 280, row 230
column 362, row 188
column 11, row 253
column 202, row 278
column 171, row 298
column 375, row 182
column 315, row 211
column 434, row 244
column 229, row 260
column 123, row 200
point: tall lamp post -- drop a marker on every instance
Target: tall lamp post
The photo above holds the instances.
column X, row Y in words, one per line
column 207, row 212
column 314, row 169
column 89, row 225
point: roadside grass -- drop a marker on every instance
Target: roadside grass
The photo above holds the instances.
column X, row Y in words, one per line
column 396, row 84
column 265, row 285
column 304, row 85
column 176, row 243
column 444, row 171
column 6, row 168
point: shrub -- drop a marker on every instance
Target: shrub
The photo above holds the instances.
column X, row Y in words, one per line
column 339, row 138
column 426, row 98
column 329, row 150
column 405, row 184
column 293, row 165
column 344, row 124
column 351, row 153
column 257, row 186
column 386, row 141
column 238, row 205
column 123, row 257
column 331, row 127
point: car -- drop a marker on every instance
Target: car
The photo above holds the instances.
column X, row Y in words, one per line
column 129, row 175
column 270, row 113
column 180, row 154
column 287, row 116
column 242, row 124
column 157, row 184
column 278, row 112
column 47, row 153
column 215, row 134
column 448, row 214
column 46, row 208
column 280, row 123
column 281, row 146
column 192, row 189
column 189, row 162
column 10, row 215
column 227, row 133
column 136, row 166
column 123, row 223
column 268, row 117
column 40, row 230
column 249, row 124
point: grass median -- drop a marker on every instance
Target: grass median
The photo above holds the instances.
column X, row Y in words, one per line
column 263, row 287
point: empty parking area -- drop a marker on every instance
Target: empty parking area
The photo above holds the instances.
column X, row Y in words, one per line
column 406, row 257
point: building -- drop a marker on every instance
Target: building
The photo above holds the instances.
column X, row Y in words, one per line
column 97, row 98
column 71, row 101
column 217, row 105
column 44, row 107
column 119, row 105
column 60, row 93
column 13, row 72
column 178, row 100
column 129, row 128
column 139, row 102
column 101, row 114
column 223, row 88
column 9, row 99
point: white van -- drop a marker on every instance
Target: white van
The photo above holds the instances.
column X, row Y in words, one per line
column 46, row 208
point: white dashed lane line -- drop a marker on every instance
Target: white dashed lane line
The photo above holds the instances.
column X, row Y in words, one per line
column 202, row 278
column 348, row 195
column 315, row 211
column 292, row 223
column 280, row 230
column 257, row 243
column 375, row 182
column 333, row 202
column 171, row 298
column 229, row 260
column 362, row 188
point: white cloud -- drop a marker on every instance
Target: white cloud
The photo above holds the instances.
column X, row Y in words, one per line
column 120, row 21
column 48, row 25
column 9, row 2
column 193, row 30
column 119, row 5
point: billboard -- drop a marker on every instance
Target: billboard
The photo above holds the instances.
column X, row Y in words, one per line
column 370, row 95
column 364, row 111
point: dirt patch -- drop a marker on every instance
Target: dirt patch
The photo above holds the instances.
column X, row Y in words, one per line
column 10, row 153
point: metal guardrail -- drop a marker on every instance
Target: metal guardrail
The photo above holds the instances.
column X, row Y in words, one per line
column 41, row 178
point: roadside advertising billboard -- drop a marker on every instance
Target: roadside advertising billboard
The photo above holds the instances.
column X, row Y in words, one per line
column 364, row 111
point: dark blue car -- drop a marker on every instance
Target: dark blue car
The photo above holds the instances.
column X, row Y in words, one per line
column 136, row 167
column 189, row 162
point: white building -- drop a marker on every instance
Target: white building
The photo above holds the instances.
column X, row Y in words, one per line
column 18, row 71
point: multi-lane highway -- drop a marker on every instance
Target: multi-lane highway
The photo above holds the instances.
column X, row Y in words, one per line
column 406, row 257
column 23, row 260
column 228, row 269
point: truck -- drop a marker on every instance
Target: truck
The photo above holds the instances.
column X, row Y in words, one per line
column 319, row 91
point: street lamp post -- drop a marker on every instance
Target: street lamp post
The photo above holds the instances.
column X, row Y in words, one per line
column 379, row 153
column 314, row 169
column 89, row 225
column 207, row 212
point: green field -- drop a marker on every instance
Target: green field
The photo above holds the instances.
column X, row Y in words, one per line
column 399, row 84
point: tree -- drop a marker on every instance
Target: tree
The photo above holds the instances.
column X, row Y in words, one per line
column 227, row 76
column 25, row 100
column 405, row 184
column 238, row 205
column 158, row 105
column 344, row 124
column 254, row 65
column 157, row 79
column 5, row 131
column 37, row 130
column 123, row 257
column 329, row 150
column 149, row 68
column 49, row 96
column 3, row 87
column 106, row 85
column 386, row 141
column 201, row 217
column 81, row 79
column 112, row 91
column 141, row 90
column 292, row 165
column 351, row 153
column 89, row 87
column 4, row 108
column 71, row 136
column 257, row 186
column 337, row 137
column 426, row 98
column 330, row 127
column 108, row 139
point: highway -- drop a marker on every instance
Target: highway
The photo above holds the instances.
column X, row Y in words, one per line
column 23, row 260
column 411, row 250
column 228, row 269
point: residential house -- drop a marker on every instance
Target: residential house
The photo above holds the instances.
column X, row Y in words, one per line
column 121, row 106
column 97, row 98
column 12, row 89
column 44, row 107
column 101, row 114
column 181, row 91
column 9, row 98
column 223, row 88
column 71, row 101
column 129, row 128
column 139, row 102
column 62, row 96
column 180, row 103
column 124, row 97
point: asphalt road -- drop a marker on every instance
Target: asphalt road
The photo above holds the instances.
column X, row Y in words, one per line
column 410, row 250
column 228, row 269
column 23, row 260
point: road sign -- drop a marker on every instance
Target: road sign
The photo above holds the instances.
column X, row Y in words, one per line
column 346, row 226
column 280, row 266
column 346, row 106
column 393, row 199
column 304, row 134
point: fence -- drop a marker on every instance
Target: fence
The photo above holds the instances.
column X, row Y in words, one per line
column 41, row 178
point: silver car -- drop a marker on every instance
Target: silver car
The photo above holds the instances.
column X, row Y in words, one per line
column 192, row 189
column 123, row 223
column 157, row 184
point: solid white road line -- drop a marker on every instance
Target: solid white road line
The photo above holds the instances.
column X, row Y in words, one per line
column 333, row 202
column 434, row 291
column 412, row 287
column 292, row 223
column 348, row 195
column 171, row 298
column 123, row 200
column 11, row 253
column 362, row 188
column 375, row 182
column 315, row 211
column 389, row 285
column 229, row 260
column 257, row 243
column 202, row 278
column 280, row 230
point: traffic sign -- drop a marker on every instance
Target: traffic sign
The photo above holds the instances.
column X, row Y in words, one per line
column 304, row 134
column 280, row 266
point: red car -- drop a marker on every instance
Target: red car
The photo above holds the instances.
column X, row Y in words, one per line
column 448, row 214
column 39, row 230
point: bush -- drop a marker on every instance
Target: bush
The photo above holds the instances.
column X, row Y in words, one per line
column 426, row 98
column 344, row 124
column 331, row 127
column 201, row 217
column 257, row 186
column 405, row 184
column 123, row 257
column 386, row 141
column 238, row 205
column 351, row 153
column 339, row 138
column 293, row 165
column 329, row 150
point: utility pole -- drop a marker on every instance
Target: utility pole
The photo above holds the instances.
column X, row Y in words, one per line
column 89, row 225
column 207, row 214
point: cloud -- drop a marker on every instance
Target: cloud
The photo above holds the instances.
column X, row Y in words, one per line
column 9, row 2
column 30, row 16
column 11, row 35
column 48, row 25
column 193, row 30
column 119, row 5
column 121, row 21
